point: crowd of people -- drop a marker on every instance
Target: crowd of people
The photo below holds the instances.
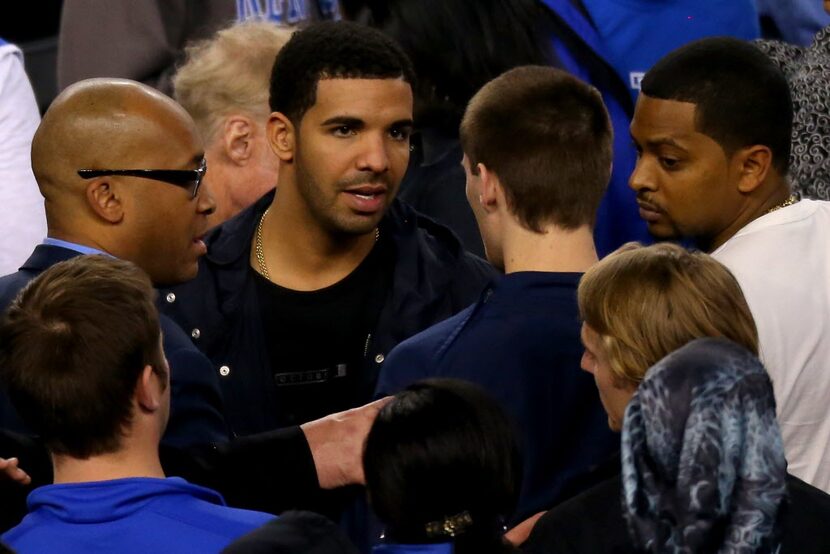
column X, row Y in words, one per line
column 422, row 277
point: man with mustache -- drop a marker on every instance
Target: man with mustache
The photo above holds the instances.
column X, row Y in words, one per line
column 712, row 128
column 302, row 295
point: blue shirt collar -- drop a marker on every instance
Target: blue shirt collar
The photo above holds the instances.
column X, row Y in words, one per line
column 80, row 248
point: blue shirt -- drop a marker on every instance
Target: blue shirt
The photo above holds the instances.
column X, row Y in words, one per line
column 521, row 343
column 637, row 33
column 80, row 248
column 129, row 516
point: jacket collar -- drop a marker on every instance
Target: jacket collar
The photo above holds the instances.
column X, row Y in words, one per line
column 46, row 255
column 232, row 240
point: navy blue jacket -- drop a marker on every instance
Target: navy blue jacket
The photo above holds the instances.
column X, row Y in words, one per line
column 433, row 278
column 521, row 343
column 196, row 415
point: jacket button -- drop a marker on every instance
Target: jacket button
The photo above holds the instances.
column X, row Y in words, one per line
column 224, row 371
column 379, row 359
column 170, row 297
column 196, row 333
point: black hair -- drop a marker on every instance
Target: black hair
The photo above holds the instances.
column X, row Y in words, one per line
column 456, row 46
column 331, row 50
column 443, row 449
column 742, row 98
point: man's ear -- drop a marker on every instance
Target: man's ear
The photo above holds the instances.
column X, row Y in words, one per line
column 148, row 392
column 105, row 202
column 753, row 164
column 281, row 136
column 237, row 138
column 492, row 193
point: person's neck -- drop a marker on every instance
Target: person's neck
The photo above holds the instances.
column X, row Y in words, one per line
column 302, row 255
column 766, row 200
column 122, row 464
column 76, row 237
column 555, row 250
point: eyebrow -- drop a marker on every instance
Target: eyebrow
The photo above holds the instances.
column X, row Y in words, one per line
column 343, row 120
column 357, row 122
column 660, row 141
column 403, row 123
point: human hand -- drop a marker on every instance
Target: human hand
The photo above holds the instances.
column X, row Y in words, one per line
column 336, row 443
column 521, row 532
column 8, row 468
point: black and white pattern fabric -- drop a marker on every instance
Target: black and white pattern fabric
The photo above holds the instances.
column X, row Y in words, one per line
column 808, row 72
column 702, row 457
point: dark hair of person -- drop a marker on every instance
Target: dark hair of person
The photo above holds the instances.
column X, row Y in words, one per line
column 456, row 46
column 548, row 138
column 742, row 98
column 73, row 345
column 331, row 50
column 443, row 451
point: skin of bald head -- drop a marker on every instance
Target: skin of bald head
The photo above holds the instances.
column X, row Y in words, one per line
column 122, row 124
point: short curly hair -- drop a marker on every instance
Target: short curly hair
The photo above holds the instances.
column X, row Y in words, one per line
column 332, row 50
column 646, row 302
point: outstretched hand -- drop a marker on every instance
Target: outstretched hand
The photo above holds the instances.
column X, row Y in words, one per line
column 521, row 532
column 9, row 470
column 336, row 443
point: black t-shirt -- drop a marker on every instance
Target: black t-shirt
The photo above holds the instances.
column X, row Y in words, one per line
column 318, row 340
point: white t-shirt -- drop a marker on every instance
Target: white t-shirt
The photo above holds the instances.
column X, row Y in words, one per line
column 22, row 216
column 782, row 262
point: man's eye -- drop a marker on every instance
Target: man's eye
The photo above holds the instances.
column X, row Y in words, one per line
column 343, row 131
column 669, row 163
column 400, row 134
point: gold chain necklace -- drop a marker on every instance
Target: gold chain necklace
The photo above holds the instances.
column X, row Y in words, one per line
column 788, row 202
column 260, row 254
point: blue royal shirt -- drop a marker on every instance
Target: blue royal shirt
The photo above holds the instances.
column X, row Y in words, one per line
column 618, row 218
column 130, row 516
column 637, row 33
column 521, row 343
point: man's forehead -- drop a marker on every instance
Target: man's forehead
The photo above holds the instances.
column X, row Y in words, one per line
column 658, row 118
column 368, row 96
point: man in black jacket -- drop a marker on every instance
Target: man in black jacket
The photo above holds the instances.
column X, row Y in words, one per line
column 302, row 295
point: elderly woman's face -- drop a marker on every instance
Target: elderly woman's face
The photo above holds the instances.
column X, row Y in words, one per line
column 595, row 361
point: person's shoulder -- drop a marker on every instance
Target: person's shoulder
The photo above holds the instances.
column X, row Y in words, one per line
column 430, row 340
column 199, row 510
column 413, row 358
column 575, row 525
column 782, row 233
column 12, row 283
column 298, row 531
column 805, row 517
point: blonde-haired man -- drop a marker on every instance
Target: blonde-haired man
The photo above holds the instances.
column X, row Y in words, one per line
column 223, row 84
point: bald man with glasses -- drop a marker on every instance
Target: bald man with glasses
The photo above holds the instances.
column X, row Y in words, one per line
column 120, row 167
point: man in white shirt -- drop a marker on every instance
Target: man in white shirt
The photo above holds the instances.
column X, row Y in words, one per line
column 22, row 218
column 712, row 128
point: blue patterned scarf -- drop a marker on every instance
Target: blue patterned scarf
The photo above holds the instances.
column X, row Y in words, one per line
column 702, row 457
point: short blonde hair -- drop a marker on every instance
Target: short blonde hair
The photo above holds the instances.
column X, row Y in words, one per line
column 646, row 302
column 229, row 72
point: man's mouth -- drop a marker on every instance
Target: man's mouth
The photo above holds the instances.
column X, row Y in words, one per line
column 649, row 212
column 367, row 198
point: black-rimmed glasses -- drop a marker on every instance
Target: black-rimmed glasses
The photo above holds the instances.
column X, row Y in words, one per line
column 190, row 179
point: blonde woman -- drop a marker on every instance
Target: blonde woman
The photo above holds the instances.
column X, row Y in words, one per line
column 703, row 467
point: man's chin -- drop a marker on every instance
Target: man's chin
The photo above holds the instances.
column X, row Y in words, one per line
column 661, row 231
